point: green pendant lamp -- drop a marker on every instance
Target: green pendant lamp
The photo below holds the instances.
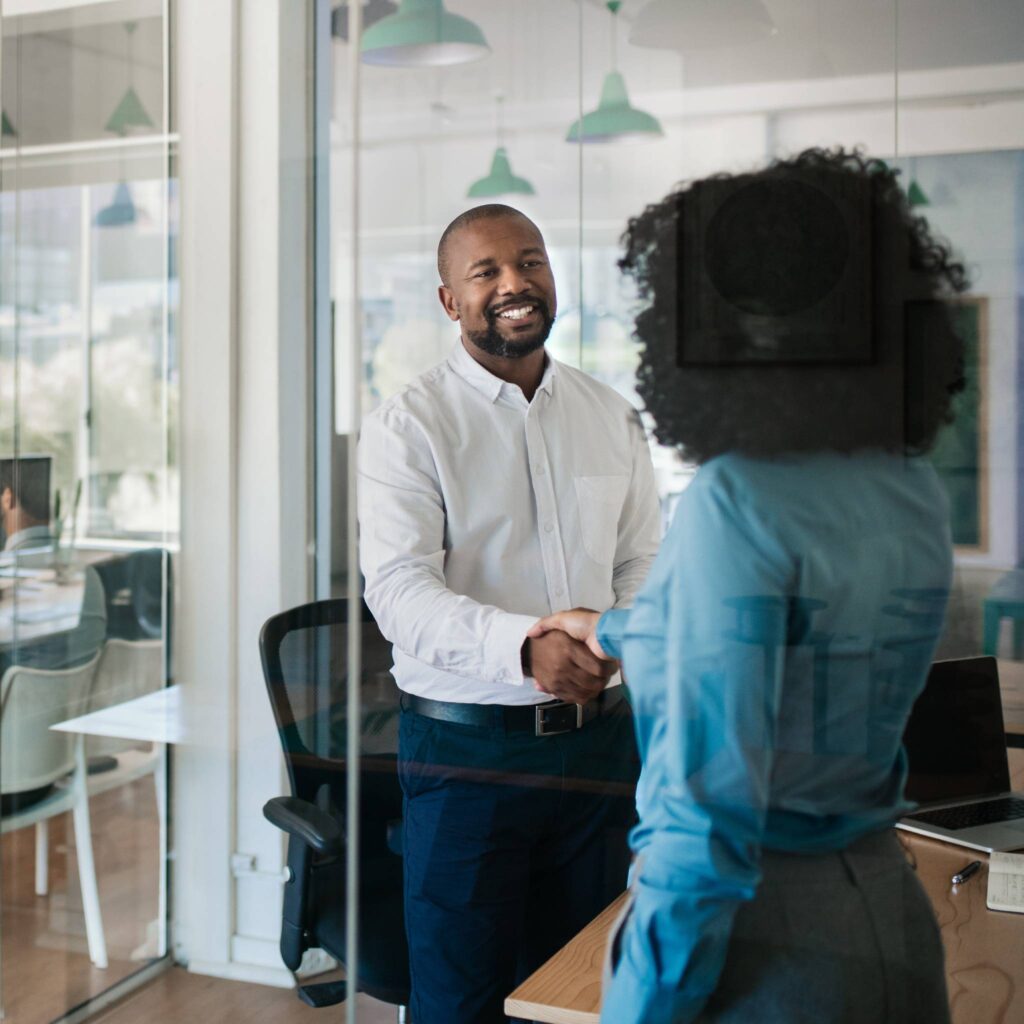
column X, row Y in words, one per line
column 421, row 33
column 129, row 115
column 915, row 195
column 7, row 130
column 120, row 212
column 615, row 119
column 501, row 181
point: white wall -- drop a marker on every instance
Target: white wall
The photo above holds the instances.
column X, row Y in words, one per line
column 242, row 85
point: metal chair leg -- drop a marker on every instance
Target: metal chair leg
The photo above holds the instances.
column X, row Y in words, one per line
column 403, row 1015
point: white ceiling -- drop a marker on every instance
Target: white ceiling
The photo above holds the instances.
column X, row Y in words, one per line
column 537, row 45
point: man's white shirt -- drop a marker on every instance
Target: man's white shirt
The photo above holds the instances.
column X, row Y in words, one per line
column 480, row 513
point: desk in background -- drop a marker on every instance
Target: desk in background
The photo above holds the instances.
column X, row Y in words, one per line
column 33, row 604
column 984, row 948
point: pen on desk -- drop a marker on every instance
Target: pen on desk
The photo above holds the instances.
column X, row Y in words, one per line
column 965, row 872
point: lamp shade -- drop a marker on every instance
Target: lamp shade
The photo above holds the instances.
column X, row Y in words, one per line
column 423, row 34
column 120, row 212
column 614, row 120
column 916, row 195
column 128, row 114
column 701, row 24
column 501, row 181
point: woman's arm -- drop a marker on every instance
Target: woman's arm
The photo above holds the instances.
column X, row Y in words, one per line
column 706, row 704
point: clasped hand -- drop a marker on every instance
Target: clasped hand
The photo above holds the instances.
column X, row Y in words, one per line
column 566, row 661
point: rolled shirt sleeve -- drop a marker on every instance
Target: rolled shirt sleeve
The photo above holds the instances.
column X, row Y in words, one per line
column 402, row 522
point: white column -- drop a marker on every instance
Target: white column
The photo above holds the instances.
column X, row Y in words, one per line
column 246, row 266
column 206, row 584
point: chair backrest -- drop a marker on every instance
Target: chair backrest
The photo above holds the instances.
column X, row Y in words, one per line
column 305, row 665
column 31, row 700
column 133, row 585
column 127, row 669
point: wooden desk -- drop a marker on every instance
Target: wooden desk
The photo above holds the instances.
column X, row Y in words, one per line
column 984, row 948
column 567, row 989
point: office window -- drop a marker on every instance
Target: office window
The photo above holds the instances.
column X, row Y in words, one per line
column 88, row 423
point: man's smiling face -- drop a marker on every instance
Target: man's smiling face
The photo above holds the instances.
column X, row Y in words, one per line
column 500, row 287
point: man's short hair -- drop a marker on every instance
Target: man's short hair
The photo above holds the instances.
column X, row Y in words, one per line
column 489, row 211
column 29, row 481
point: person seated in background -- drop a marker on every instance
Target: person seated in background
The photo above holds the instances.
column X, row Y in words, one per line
column 29, row 550
column 25, row 507
column 796, row 346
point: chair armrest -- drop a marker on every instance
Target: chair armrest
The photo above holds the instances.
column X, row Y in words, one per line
column 299, row 818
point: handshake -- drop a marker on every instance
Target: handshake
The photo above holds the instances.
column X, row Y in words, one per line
column 562, row 654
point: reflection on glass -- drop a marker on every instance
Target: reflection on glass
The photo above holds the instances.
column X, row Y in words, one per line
column 88, row 391
column 733, row 86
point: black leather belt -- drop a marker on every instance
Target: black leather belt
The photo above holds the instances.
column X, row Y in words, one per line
column 549, row 719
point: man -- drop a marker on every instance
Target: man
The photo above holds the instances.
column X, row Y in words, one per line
column 496, row 488
column 25, row 506
column 77, row 606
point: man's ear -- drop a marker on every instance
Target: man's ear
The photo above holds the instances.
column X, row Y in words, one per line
column 6, row 500
column 448, row 301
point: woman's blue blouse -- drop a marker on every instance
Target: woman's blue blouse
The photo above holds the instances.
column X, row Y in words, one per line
column 774, row 654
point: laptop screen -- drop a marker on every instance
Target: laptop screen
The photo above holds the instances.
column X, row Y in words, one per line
column 954, row 738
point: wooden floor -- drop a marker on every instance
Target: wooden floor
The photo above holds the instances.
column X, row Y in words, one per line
column 179, row 996
column 45, row 963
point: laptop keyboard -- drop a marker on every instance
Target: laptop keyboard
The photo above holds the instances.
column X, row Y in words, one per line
column 970, row 815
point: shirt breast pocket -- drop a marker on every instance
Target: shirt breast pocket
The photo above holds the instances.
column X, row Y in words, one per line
column 600, row 500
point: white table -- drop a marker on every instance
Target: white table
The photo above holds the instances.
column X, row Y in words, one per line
column 165, row 716
column 161, row 717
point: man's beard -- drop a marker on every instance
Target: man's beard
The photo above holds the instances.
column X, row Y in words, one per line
column 494, row 343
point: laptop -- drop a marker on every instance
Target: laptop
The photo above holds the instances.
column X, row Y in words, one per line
column 958, row 769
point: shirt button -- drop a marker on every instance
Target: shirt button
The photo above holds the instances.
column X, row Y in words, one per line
column 539, row 470
column 548, row 527
column 559, row 591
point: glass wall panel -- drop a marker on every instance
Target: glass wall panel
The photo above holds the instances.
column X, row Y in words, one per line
column 88, row 484
column 581, row 114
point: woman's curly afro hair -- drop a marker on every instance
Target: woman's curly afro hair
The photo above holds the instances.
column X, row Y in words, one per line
column 895, row 401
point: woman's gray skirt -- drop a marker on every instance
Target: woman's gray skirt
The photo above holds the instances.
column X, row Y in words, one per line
column 839, row 938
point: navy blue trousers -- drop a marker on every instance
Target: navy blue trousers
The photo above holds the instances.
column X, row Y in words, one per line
column 512, row 843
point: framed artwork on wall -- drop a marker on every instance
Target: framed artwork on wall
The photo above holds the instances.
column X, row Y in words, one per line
column 960, row 455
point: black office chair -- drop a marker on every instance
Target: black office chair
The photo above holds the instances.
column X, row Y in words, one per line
column 134, row 588
column 304, row 653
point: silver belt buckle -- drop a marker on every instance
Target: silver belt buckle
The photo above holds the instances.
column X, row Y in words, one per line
column 563, row 720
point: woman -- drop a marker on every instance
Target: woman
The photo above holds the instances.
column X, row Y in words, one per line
column 793, row 346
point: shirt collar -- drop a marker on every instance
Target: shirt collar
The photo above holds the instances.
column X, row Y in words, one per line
column 30, row 537
column 485, row 381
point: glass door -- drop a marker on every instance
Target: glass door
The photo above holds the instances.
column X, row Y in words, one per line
column 580, row 114
column 88, row 485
